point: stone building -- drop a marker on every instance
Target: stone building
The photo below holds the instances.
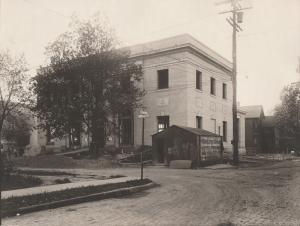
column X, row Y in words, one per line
column 186, row 84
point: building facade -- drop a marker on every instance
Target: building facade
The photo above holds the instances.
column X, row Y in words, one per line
column 253, row 128
column 186, row 84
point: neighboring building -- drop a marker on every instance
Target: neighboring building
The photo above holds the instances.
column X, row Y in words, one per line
column 270, row 135
column 186, row 84
column 253, row 128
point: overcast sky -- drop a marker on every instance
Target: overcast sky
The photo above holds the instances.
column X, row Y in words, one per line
column 267, row 48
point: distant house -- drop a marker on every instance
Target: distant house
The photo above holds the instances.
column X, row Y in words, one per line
column 253, row 126
column 270, row 135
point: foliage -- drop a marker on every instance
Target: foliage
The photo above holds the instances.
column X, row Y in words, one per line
column 287, row 114
column 13, row 80
column 87, row 82
column 16, row 128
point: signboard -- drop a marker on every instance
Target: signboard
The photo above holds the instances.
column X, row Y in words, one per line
column 143, row 114
column 210, row 148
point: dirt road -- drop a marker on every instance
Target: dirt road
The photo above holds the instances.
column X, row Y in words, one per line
column 254, row 196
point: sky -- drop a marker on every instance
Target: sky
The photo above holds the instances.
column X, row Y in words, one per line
column 267, row 49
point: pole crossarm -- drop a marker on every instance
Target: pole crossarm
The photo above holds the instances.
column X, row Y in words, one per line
column 235, row 10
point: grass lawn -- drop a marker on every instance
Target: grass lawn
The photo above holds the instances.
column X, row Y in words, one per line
column 17, row 181
column 62, row 162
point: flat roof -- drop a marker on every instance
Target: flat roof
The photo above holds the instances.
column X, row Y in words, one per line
column 177, row 42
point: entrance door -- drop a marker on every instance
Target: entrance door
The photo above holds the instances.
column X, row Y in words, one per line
column 160, row 150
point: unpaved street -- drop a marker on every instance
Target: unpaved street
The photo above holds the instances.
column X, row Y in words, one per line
column 254, row 196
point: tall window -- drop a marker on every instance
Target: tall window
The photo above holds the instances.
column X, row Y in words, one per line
column 212, row 86
column 224, row 91
column 214, row 125
column 199, row 122
column 162, row 122
column 163, row 79
column 224, row 131
column 199, row 80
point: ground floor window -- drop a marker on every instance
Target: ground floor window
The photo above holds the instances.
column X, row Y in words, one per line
column 213, row 125
column 224, row 131
column 162, row 122
column 199, row 122
column 126, row 129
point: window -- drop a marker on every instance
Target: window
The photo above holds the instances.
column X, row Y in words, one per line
column 199, row 80
column 199, row 122
column 162, row 122
column 214, row 125
column 212, row 86
column 224, row 91
column 163, row 79
column 224, row 131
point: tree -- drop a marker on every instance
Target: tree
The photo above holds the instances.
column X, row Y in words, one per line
column 13, row 94
column 87, row 82
column 13, row 80
column 16, row 128
column 287, row 114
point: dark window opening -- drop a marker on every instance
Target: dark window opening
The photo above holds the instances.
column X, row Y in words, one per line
column 224, row 131
column 224, row 91
column 212, row 86
column 162, row 122
column 199, row 122
column 199, row 80
column 163, row 79
column 126, row 128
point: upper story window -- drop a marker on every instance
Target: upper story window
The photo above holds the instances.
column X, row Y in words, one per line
column 199, row 80
column 224, row 91
column 162, row 122
column 163, row 79
column 212, row 86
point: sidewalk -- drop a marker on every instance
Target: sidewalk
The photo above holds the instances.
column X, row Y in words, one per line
column 60, row 187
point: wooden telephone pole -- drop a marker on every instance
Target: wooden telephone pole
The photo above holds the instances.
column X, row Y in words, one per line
column 237, row 17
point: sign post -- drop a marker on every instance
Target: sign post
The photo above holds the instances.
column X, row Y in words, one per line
column 143, row 115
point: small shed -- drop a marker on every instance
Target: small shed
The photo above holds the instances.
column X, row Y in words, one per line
column 186, row 143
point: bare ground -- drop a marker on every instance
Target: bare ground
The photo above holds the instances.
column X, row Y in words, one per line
column 263, row 196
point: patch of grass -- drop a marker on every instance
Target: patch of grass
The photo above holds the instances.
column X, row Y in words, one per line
column 115, row 176
column 11, row 205
column 62, row 181
column 17, row 181
column 45, row 173
column 62, row 162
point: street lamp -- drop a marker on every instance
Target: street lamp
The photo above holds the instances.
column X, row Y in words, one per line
column 143, row 115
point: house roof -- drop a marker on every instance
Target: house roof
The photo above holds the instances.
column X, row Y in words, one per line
column 269, row 121
column 177, row 42
column 200, row 132
column 253, row 111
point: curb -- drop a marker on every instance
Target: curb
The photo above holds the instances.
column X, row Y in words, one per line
column 87, row 198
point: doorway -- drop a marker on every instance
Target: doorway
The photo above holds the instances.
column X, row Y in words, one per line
column 160, row 150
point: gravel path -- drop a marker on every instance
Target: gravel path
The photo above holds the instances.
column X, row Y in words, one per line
column 255, row 196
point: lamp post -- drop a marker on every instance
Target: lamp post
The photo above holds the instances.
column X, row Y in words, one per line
column 143, row 115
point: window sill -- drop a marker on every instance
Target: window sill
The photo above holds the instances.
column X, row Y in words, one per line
column 161, row 90
column 199, row 90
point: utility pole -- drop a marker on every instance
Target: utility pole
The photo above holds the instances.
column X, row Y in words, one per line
column 237, row 17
